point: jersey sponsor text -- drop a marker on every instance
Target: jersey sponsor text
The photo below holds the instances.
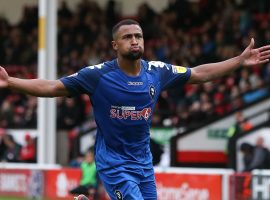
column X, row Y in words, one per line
column 118, row 113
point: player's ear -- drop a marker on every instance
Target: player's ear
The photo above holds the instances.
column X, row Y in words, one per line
column 114, row 45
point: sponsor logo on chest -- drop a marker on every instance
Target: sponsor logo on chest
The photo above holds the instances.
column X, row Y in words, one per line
column 129, row 112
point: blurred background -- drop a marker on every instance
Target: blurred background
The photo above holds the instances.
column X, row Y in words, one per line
column 218, row 131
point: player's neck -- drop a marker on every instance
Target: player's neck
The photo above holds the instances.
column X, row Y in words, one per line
column 130, row 67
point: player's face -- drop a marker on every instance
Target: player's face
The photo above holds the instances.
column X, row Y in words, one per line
column 129, row 42
column 89, row 157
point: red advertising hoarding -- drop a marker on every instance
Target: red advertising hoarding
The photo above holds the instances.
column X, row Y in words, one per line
column 174, row 186
column 240, row 186
column 55, row 184
column 21, row 183
column 58, row 183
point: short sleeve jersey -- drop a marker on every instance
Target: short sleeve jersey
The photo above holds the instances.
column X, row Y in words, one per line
column 123, row 107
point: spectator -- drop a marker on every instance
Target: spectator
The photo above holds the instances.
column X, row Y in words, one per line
column 255, row 157
column 6, row 114
column 157, row 151
column 31, row 112
column 111, row 12
column 248, row 151
column 28, row 151
column 236, row 100
column 88, row 181
column 12, row 152
column 76, row 162
column 71, row 114
column 241, row 125
column 3, row 146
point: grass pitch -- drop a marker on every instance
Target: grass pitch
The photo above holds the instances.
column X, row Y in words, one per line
column 18, row 198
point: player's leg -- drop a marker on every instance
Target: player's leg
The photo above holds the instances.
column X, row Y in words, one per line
column 127, row 190
column 81, row 197
column 148, row 188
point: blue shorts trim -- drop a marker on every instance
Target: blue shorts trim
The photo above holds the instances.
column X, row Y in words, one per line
column 130, row 190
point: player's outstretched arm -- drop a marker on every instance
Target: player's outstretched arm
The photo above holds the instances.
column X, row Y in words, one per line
column 248, row 57
column 34, row 87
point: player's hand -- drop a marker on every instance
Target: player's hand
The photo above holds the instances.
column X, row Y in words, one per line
column 3, row 78
column 251, row 56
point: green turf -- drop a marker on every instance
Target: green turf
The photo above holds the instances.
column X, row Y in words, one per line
column 18, row 198
column 12, row 198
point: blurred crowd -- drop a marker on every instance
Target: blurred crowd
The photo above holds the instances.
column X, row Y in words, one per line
column 12, row 151
column 186, row 33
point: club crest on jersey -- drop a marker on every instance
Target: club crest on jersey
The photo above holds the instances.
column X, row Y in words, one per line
column 152, row 91
column 118, row 195
column 178, row 69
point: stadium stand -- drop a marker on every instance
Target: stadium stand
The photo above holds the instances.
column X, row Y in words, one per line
column 184, row 33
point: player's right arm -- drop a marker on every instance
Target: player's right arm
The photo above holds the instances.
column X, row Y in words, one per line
column 34, row 87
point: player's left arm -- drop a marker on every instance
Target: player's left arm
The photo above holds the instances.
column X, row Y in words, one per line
column 249, row 57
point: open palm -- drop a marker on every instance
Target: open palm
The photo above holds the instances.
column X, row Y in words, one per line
column 3, row 78
column 257, row 56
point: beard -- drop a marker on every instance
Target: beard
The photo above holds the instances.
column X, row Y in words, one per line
column 131, row 55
